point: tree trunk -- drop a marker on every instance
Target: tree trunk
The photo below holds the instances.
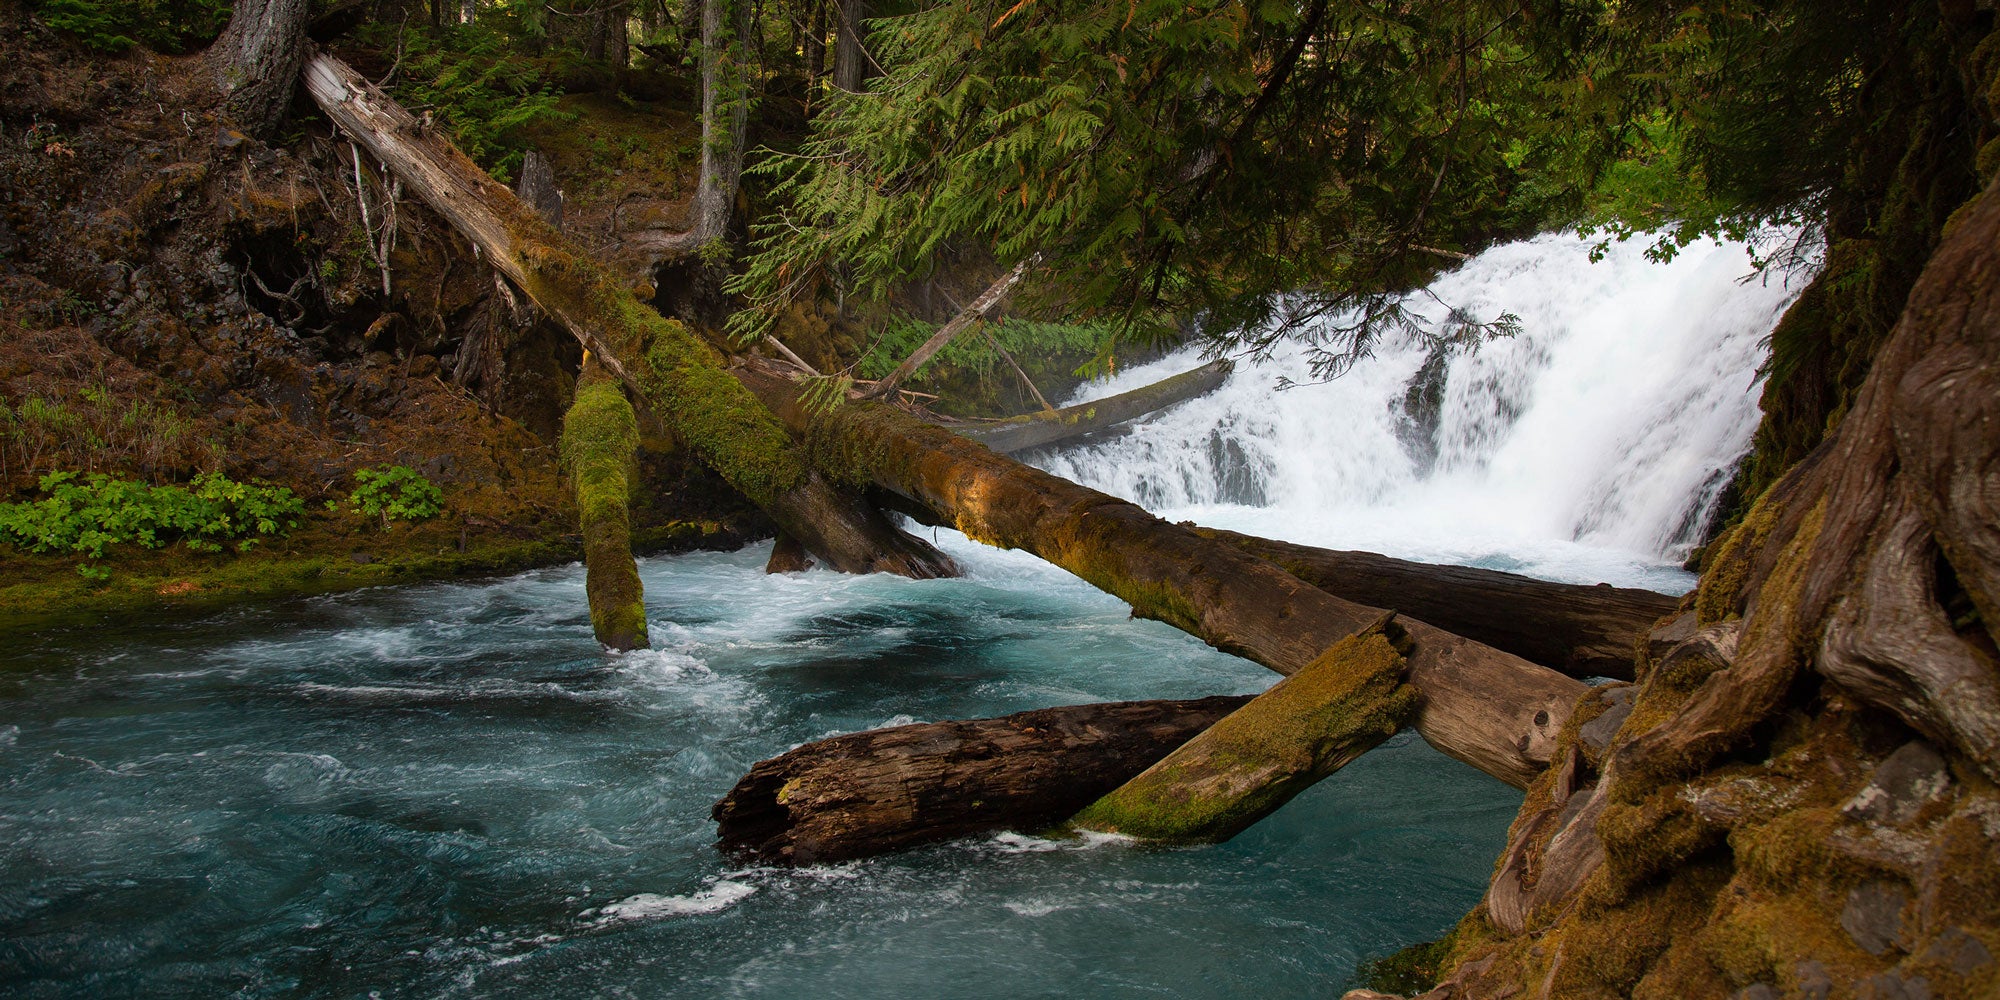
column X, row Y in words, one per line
column 850, row 55
column 599, row 435
column 815, row 46
column 676, row 373
column 537, row 187
column 1034, row 430
column 257, row 62
column 725, row 129
column 1582, row 631
column 1488, row 708
column 868, row 793
column 1258, row 757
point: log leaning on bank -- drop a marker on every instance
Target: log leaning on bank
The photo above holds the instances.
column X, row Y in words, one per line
column 886, row 789
column 1258, row 757
column 660, row 360
column 1490, row 709
column 1033, row 430
column 1582, row 631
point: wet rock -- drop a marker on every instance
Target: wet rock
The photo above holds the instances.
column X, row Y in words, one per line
column 364, row 558
column 1958, row 951
column 1597, row 733
column 1813, row 982
column 1873, row 916
column 1906, row 781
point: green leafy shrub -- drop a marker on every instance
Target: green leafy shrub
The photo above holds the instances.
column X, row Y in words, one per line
column 172, row 26
column 395, row 492
column 89, row 514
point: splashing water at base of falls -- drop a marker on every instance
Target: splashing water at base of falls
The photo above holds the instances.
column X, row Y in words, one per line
column 450, row 790
column 1599, row 434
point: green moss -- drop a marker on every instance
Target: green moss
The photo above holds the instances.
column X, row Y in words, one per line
column 1413, row 970
column 1254, row 760
column 600, row 433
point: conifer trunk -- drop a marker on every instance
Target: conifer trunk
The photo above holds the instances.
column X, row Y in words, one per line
column 675, row 372
column 257, row 60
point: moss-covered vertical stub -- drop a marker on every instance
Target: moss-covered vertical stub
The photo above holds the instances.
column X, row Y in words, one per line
column 1258, row 757
column 600, row 433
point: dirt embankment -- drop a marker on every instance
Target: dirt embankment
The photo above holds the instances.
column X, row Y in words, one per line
column 181, row 298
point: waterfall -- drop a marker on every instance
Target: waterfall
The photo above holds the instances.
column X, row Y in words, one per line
column 1600, row 433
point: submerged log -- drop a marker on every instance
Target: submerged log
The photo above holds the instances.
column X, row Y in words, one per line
column 868, row 793
column 1258, row 757
column 660, row 360
column 1582, row 631
column 1488, row 708
column 1033, row 430
column 599, row 436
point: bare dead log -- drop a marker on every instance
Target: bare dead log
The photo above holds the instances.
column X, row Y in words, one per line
column 1258, row 757
column 947, row 333
column 1582, row 631
column 1488, row 708
column 868, row 793
column 1033, row 430
column 661, row 361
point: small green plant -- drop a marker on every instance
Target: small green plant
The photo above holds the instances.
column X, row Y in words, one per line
column 395, row 492
column 171, row 26
column 87, row 515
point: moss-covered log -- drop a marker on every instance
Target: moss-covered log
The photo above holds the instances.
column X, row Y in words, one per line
column 1258, row 757
column 676, row 373
column 1582, row 631
column 1033, row 430
column 886, row 789
column 600, row 433
column 1491, row 709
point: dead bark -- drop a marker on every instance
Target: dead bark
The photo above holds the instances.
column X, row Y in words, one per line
column 1035, row 430
column 1488, row 708
column 883, row 790
column 257, row 60
column 1258, row 757
column 677, row 374
column 1582, row 631
column 537, row 187
column 949, row 332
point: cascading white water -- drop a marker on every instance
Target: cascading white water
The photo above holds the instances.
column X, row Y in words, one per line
column 1589, row 446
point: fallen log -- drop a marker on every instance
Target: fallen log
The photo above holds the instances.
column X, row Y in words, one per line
column 599, row 435
column 1258, row 757
column 869, row 793
column 659, row 360
column 1033, row 430
column 1582, row 631
column 1488, row 708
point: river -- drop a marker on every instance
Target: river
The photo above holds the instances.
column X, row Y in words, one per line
column 449, row 790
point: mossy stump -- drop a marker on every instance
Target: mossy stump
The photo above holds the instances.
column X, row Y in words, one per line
column 600, row 434
column 1243, row 768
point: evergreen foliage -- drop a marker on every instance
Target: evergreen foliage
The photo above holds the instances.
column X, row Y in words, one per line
column 1254, row 164
column 171, row 26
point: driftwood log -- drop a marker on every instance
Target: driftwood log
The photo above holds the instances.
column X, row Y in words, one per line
column 659, row 360
column 868, row 793
column 1582, row 631
column 1258, row 757
column 1488, row 708
column 1033, row 430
